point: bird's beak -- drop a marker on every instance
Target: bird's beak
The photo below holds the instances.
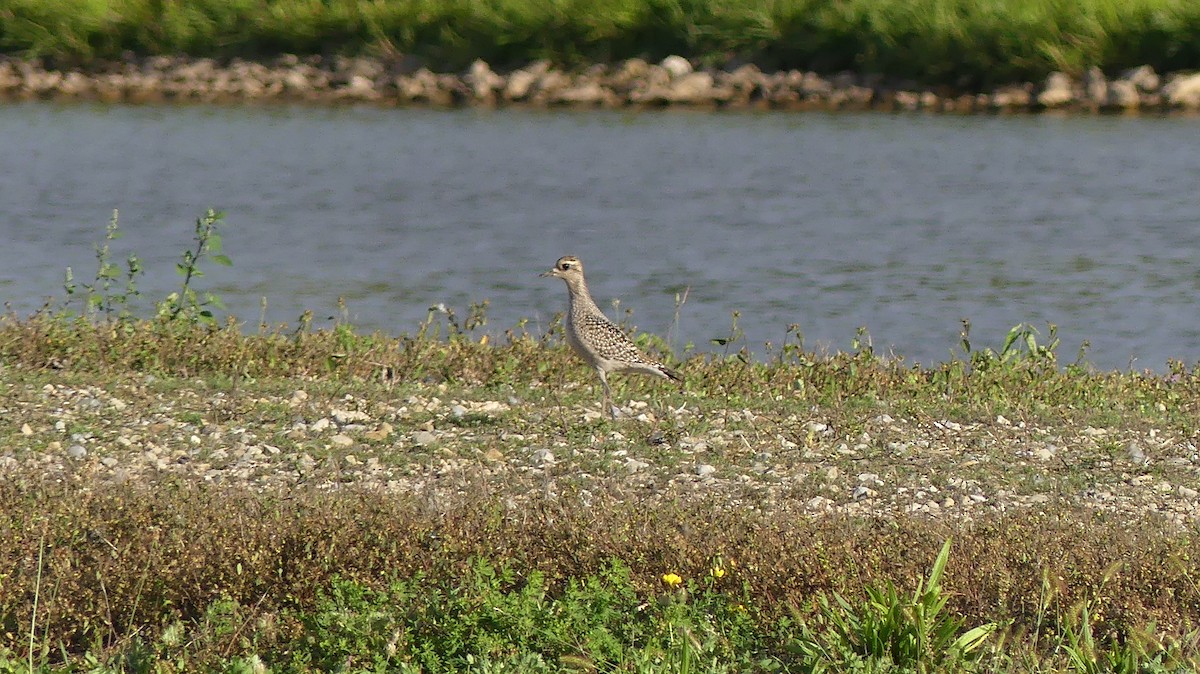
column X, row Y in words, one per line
column 547, row 273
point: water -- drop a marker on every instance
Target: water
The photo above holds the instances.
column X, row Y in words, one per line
column 902, row 224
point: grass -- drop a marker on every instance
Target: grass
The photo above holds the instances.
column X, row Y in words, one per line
column 256, row 499
column 947, row 42
column 187, row 577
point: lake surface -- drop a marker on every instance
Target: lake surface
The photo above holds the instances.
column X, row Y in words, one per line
column 904, row 224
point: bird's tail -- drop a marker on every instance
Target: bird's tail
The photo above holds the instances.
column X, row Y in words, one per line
column 670, row 373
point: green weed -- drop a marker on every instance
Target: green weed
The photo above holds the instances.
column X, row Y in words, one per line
column 910, row 633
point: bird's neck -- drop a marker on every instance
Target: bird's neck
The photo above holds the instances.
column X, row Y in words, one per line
column 581, row 299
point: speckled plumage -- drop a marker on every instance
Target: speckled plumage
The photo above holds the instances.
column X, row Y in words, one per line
column 595, row 339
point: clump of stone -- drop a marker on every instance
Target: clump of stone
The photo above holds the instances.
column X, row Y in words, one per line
column 634, row 83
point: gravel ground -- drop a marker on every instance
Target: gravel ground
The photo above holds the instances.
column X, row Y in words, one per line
column 432, row 441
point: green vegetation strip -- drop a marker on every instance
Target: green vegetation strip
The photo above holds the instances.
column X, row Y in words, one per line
column 182, row 494
column 954, row 42
column 192, row 576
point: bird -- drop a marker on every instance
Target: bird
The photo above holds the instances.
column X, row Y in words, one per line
column 596, row 340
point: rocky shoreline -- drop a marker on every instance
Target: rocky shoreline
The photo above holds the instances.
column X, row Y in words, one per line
column 634, row 83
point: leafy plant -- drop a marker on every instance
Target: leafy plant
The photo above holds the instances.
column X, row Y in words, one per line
column 99, row 296
column 909, row 632
column 188, row 304
column 1020, row 346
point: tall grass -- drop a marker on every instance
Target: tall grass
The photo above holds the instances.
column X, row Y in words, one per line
column 956, row 42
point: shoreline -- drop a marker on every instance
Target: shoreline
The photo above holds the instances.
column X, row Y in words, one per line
column 631, row 84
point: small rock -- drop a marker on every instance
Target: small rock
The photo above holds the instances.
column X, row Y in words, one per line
column 1043, row 453
column 1010, row 97
column 424, row 438
column 381, row 433
column 109, row 462
column 832, row 473
column 359, row 86
column 458, row 411
column 1187, row 492
column 494, row 455
column 704, row 469
column 1056, row 91
column 1095, row 86
column 319, row 425
column 676, row 65
column 860, row 492
column 341, row 440
column 349, row 416
column 76, row 451
column 26, row 429
column 1136, row 454
column 482, row 80
column 352, row 460
column 519, row 84
column 819, row 503
column 299, row 396
column 693, row 88
column 543, row 457
column 583, row 94
column 1143, row 78
column 633, row 465
column 1123, row 94
column 1184, row 90
column 1000, row 420
column 869, row 478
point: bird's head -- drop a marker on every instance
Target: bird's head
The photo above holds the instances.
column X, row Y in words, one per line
column 567, row 267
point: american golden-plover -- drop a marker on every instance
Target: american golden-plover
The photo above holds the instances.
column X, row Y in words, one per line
column 597, row 341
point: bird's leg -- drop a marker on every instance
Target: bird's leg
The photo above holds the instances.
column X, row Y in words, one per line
column 608, row 404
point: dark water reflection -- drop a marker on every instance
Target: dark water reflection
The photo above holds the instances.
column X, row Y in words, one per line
column 902, row 224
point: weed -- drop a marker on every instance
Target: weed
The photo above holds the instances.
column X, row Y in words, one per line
column 909, row 632
column 188, row 304
column 99, row 296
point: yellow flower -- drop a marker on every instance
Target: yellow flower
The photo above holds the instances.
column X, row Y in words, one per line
column 717, row 572
column 671, row 579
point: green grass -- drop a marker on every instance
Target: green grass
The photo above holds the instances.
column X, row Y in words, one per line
column 952, row 42
column 188, row 578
